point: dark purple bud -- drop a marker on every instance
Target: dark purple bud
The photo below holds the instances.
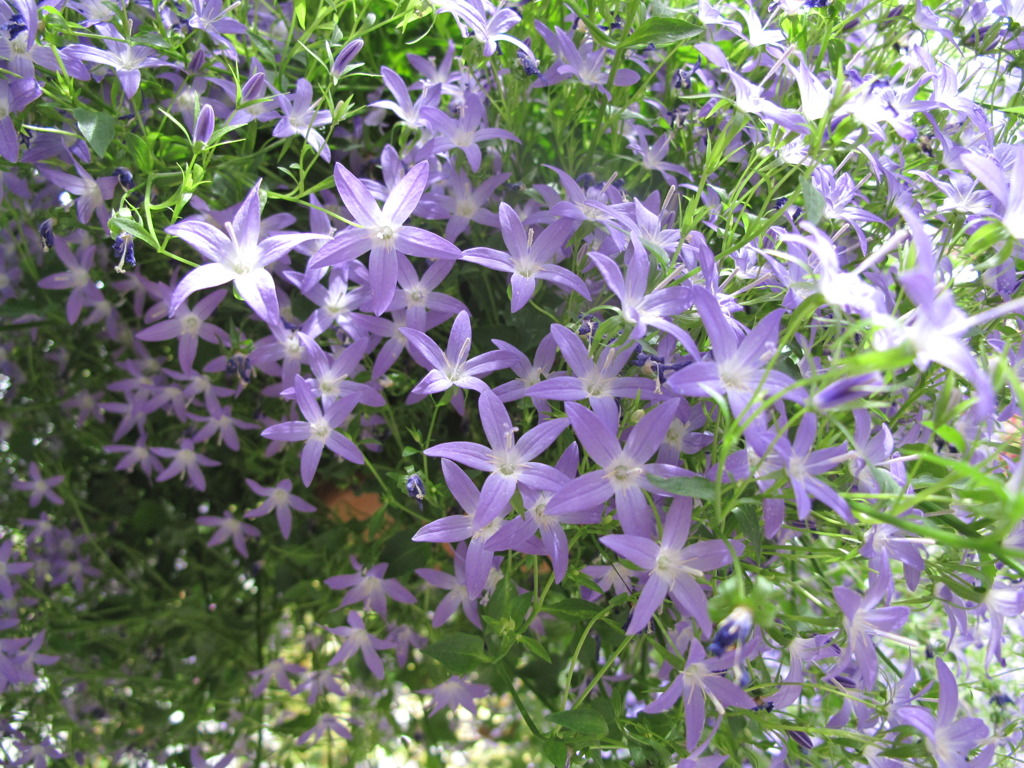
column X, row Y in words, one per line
column 124, row 252
column 46, row 234
column 124, row 178
column 1001, row 699
column 802, row 739
column 846, row 390
column 528, row 65
column 198, row 61
column 348, row 53
column 733, row 630
column 588, row 326
column 254, row 87
column 239, row 366
column 204, row 125
column 415, row 488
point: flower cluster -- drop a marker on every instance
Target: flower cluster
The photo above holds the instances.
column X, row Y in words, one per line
column 636, row 374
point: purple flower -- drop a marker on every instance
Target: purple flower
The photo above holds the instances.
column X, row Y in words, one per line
column 91, row 193
column 454, row 692
column 241, row 257
column 125, row 59
column 672, row 567
column 39, row 487
column 458, row 592
column 862, row 621
column 229, row 527
column 597, row 381
column 453, row 368
column 623, row 472
column 211, row 17
column 358, row 639
column 481, row 520
column 8, row 569
column 369, row 587
column 700, row 680
column 482, row 20
column 529, row 259
column 382, row 232
column 326, row 722
column 464, row 132
column 509, row 462
column 949, row 740
column 639, row 306
column 279, row 500
column 801, row 464
column 318, row 430
column 299, row 117
column 188, row 328
column 184, row 459
column 737, row 370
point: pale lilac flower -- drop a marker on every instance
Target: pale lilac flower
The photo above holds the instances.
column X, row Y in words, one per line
column 229, row 527
column 623, row 468
column 949, row 740
column 125, row 59
column 453, row 368
column 639, row 305
column 481, row 520
column 369, row 587
column 357, row 638
column 737, row 370
column 184, row 459
column 596, row 381
column 39, row 487
column 863, row 621
column 138, row 455
column 382, row 232
column 300, row 117
column 458, row 592
column 414, row 115
column 453, row 693
column 188, row 328
column 484, row 21
column 319, row 429
column 327, row 721
column 672, row 567
column 90, row 193
column 700, row 680
column 8, row 569
column 277, row 670
column 212, row 17
column 529, row 258
column 279, row 500
column 509, row 462
column 464, row 132
column 241, row 257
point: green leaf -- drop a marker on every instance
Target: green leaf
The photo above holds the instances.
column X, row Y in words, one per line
column 536, row 648
column 814, row 201
column 555, row 751
column 458, row 652
column 662, row 29
column 97, row 128
column 133, row 228
column 573, row 609
column 693, row 487
column 584, row 721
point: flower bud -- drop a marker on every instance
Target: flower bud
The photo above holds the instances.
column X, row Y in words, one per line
column 204, row 125
column 348, row 53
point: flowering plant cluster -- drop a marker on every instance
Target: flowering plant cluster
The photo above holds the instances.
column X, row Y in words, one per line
column 527, row 384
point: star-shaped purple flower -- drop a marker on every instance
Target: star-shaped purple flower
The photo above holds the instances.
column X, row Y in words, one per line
column 240, row 256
